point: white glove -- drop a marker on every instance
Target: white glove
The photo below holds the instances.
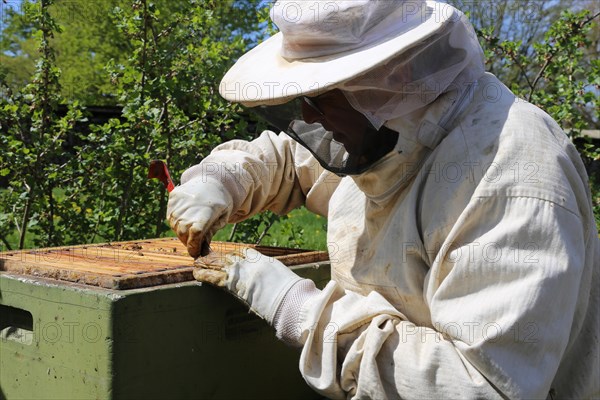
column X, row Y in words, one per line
column 197, row 210
column 259, row 281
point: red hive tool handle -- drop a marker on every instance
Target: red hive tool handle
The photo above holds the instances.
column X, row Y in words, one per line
column 158, row 169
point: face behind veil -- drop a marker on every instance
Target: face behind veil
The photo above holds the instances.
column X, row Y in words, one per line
column 449, row 60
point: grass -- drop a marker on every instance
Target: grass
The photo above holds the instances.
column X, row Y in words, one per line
column 298, row 229
column 13, row 240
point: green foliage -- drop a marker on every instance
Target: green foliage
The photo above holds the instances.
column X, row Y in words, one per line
column 557, row 76
column 70, row 186
column 161, row 85
column 32, row 139
column 84, row 43
column 90, row 39
column 254, row 229
column 162, row 61
column 298, row 229
column 560, row 73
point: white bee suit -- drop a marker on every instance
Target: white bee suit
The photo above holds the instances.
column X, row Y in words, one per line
column 464, row 264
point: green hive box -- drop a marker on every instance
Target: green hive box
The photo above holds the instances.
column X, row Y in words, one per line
column 144, row 329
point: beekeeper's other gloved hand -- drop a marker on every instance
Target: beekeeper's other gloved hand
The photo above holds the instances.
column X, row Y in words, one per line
column 197, row 210
column 259, row 281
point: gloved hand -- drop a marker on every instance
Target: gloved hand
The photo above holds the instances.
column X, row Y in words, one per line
column 259, row 281
column 197, row 210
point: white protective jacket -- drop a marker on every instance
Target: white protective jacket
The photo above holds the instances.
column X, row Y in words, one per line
column 464, row 264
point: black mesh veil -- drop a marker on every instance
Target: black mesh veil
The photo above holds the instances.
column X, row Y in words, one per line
column 329, row 153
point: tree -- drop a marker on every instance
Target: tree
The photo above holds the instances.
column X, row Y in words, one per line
column 162, row 61
column 96, row 188
column 547, row 52
column 168, row 89
column 533, row 44
column 89, row 39
column 32, row 139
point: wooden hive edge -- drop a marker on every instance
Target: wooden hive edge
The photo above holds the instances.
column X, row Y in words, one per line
column 127, row 280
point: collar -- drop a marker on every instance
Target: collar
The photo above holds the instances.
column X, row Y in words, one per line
column 418, row 134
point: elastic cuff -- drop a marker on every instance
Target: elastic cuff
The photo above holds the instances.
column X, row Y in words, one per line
column 286, row 318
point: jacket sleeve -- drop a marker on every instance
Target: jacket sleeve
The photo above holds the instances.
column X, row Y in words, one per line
column 502, row 293
column 271, row 172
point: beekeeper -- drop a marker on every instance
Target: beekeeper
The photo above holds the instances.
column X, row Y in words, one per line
column 464, row 253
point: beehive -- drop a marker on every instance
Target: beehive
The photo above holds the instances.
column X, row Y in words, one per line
column 129, row 265
column 127, row 320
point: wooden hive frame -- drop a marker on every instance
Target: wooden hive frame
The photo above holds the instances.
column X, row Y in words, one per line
column 131, row 264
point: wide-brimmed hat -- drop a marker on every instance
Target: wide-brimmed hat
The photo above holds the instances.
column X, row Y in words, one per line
column 322, row 44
